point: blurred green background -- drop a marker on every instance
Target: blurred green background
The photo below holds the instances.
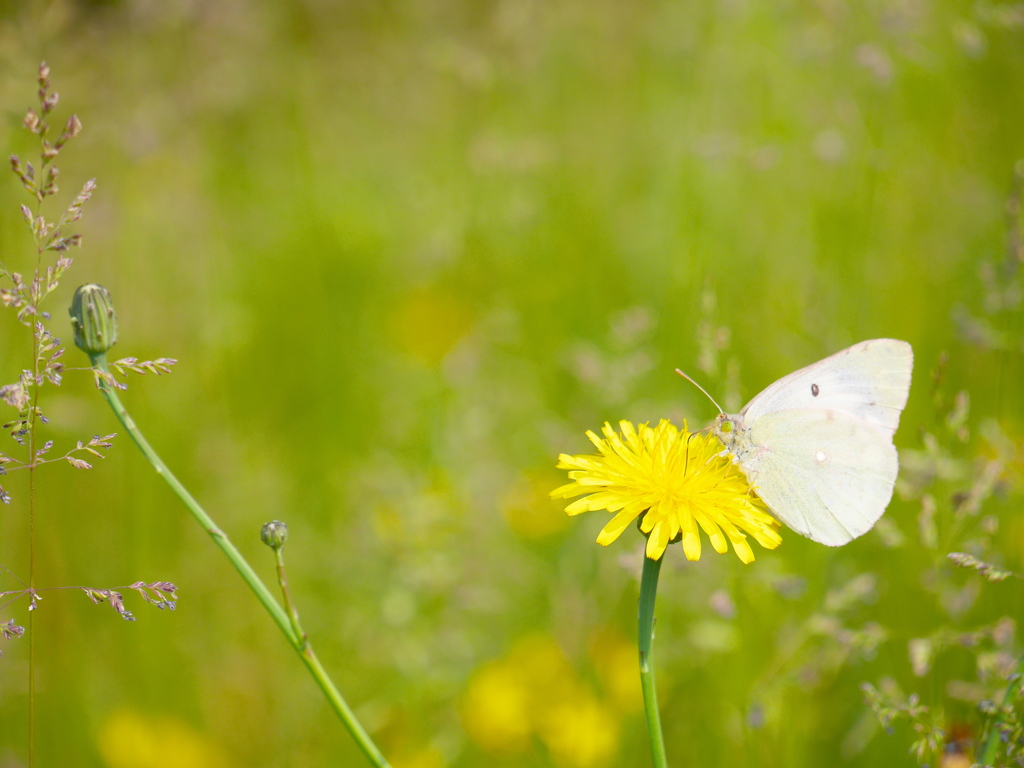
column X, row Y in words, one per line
column 409, row 251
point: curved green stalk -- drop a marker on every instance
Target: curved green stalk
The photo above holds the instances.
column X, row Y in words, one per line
column 280, row 617
column 645, row 637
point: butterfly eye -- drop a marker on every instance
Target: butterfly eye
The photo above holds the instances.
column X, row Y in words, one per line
column 726, row 426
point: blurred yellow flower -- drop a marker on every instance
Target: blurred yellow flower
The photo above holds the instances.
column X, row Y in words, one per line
column 581, row 733
column 534, row 692
column 496, row 708
column 130, row 739
column 675, row 482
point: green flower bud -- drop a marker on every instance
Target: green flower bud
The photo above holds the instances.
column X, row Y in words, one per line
column 94, row 320
column 274, row 534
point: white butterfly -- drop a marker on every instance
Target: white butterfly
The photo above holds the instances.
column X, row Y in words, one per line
column 817, row 444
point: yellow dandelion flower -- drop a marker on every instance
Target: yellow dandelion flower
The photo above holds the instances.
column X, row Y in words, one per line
column 129, row 739
column 496, row 711
column 581, row 733
column 680, row 485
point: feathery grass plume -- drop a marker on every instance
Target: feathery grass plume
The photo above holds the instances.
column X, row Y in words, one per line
column 25, row 294
column 96, row 330
column 889, row 704
column 676, row 482
column 162, row 594
column 987, row 570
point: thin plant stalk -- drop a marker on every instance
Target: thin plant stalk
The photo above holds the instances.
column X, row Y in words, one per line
column 645, row 638
column 32, row 613
column 293, row 614
column 288, row 627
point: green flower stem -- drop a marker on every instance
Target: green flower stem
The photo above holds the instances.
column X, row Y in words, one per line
column 988, row 752
column 293, row 614
column 280, row 617
column 648, row 591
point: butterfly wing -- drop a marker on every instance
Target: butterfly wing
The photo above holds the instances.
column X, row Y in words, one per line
column 817, row 444
column 824, row 473
column 869, row 381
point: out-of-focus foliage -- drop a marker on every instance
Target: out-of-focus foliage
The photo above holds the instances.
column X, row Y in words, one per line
column 406, row 253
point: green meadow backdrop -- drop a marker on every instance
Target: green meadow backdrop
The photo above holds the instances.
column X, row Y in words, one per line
column 406, row 253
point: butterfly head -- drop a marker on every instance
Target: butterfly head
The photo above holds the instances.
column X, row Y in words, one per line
column 724, row 428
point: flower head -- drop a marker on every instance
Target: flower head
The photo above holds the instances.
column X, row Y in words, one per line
column 676, row 483
column 274, row 534
column 93, row 319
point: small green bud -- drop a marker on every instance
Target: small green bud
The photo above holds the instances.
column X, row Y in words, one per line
column 274, row 534
column 94, row 320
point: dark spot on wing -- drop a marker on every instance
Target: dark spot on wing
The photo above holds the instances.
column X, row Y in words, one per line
column 815, row 390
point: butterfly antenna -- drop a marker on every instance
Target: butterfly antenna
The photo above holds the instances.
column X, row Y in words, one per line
column 698, row 386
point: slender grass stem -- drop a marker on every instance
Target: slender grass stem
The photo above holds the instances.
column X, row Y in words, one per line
column 991, row 747
column 281, row 618
column 289, row 606
column 32, row 461
column 32, row 613
column 645, row 638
